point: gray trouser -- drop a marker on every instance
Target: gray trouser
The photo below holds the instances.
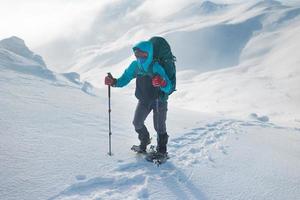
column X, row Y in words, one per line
column 159, row 108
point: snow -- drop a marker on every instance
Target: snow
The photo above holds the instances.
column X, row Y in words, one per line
column 15, row 55
column 62, row 153
column 202, row 8
column 233, row 121
column 17, row 46
column 268, row 62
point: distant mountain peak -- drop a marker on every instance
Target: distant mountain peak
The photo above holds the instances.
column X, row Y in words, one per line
column 201, row 8
column 269, row 3
column 209, row 7
column 13, row 40
column 17, row 45
column 209, row 4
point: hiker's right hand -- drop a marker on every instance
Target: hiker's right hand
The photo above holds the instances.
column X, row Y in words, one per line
column 110, row 80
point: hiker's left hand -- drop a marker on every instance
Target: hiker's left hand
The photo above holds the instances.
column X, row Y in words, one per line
column 157, row 81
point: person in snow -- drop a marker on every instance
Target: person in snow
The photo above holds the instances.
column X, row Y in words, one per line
column 152, row 89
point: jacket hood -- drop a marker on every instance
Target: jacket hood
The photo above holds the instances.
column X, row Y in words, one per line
column 145, row 46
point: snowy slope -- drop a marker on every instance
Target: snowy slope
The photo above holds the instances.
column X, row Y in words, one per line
column 234, row 132
column 54, row 144
column 53, row 147
column 15, row 55
column 266, row 80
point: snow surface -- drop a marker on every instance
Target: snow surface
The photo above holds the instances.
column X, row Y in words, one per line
column 234, row 132
column 53, row 147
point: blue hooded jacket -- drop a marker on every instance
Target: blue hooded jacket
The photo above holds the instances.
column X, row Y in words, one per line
column 141, row 70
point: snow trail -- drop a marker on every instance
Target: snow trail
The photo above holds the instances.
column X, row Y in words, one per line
column 131, row 177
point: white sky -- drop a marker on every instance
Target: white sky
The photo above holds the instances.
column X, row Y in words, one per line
column 38, row 21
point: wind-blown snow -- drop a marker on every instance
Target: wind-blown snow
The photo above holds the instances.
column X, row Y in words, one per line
column 266, row 80
column 234, row 132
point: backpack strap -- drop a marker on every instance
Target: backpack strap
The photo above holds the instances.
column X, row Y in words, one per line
column 150, row 69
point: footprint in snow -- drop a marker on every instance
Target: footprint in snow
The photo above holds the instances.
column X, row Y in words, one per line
column 80, row 177
column 196, row 145
column 113, row 187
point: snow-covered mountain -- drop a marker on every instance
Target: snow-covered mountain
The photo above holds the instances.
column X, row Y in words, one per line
column 266, row 78
column 203, row 8
column 233, row 121
column 15, row 55
column 18, row 47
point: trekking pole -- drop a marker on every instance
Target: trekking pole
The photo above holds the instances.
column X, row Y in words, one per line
column 157, row 110
column 109, row 120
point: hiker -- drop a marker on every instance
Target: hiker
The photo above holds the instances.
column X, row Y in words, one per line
column 153, row 85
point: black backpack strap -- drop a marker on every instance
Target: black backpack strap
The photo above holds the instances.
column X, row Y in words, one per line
column 150, row 69
column 136, row 72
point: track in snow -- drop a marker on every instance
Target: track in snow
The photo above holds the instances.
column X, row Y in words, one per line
column 130, row 178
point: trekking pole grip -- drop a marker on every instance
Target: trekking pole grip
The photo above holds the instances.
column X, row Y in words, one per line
column 109, row 75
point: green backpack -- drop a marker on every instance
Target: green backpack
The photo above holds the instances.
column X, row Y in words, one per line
column 163, row 55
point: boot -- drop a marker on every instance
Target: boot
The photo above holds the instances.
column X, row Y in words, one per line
column 162, row 140
column 144, row 138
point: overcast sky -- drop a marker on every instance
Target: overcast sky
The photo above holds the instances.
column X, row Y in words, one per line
column 39, row 22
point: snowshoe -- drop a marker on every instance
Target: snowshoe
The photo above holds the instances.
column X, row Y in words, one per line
column 151, row 155
column 157, row 158
column 137, row 149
